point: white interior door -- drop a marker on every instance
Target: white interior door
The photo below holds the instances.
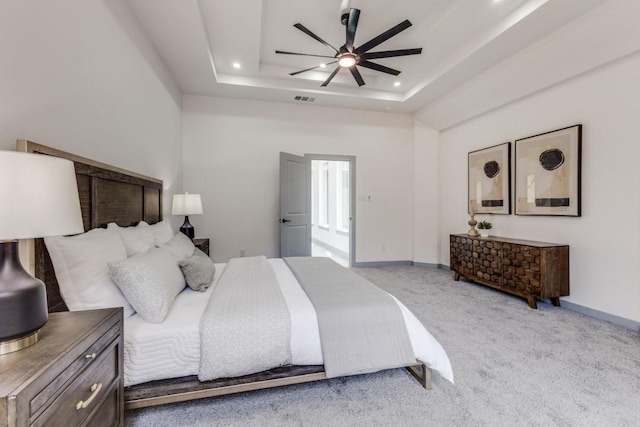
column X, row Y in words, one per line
column 295, row 205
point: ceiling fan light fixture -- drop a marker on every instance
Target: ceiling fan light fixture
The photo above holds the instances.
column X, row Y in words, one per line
column 347, row 61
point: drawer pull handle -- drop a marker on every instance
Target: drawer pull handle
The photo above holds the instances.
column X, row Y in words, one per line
column 90, row 356
column 95, row 388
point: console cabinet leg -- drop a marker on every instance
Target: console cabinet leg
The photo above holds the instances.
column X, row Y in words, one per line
column 456, row 276
column 555, row 301
column 532, row 302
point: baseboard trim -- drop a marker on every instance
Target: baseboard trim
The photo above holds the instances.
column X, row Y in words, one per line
column 597, row 314
column 425, row 265
column 385, row 263
column 380, row 263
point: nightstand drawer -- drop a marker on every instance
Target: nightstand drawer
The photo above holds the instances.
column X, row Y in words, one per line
column 86, row 393
column 87, row 358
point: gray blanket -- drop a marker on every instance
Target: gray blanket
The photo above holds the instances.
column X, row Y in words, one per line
column 246, row 326
column 361, row 327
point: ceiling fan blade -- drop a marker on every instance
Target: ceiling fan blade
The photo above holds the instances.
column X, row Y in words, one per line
column 356, row 75
column 303, row 54
column 311, row 34
column 378, row 67
column 383, row 37
column 312, row 68
column 391, row 53
column 352, row 25
column 326, row 82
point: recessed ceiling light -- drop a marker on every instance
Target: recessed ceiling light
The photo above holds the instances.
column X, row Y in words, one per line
column 237, row 65
column 323, row 65
column 396, row 84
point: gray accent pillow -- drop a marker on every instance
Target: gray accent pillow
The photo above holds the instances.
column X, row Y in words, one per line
column 150, row 282
column 198, row 270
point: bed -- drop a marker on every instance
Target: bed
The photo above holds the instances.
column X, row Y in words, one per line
column 113, row 195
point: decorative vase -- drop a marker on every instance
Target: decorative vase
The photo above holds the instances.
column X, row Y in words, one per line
column 472, row 222
column 484, row 233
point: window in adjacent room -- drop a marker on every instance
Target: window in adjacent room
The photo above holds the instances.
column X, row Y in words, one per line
column 343, row 196
column 323, row 193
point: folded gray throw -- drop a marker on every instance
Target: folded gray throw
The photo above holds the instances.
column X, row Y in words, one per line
column 361, row 327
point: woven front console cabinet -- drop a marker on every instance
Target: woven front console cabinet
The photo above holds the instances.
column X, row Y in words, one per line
column 528, row 269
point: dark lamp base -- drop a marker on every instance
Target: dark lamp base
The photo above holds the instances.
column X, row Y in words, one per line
column 23, row 301
column 187, row 229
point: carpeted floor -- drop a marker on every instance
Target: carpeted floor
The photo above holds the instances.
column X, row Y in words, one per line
column 513, row 367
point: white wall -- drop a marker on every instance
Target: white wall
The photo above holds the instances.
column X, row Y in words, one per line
column 231, row 157
column 425, row 195
column 78, row 75
column 605, row 241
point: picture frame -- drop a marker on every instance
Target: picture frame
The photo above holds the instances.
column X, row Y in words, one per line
column 548, row 173
column 489, row 180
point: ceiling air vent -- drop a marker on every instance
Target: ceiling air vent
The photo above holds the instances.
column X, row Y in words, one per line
column 304, row 99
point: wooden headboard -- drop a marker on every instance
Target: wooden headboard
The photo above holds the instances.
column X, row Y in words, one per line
column 107, row 194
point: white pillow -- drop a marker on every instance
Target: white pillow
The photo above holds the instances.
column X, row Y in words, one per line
column 138, row 239
column 162, row 232
column 80, row 263
column 150, row 281
column 180, row 246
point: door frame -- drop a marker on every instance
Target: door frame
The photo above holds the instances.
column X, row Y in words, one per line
column 352, row 196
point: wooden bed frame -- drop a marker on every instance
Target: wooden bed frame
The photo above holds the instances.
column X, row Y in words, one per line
column 110, row 194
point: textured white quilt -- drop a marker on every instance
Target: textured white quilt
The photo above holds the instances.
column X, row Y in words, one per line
column 245, row 328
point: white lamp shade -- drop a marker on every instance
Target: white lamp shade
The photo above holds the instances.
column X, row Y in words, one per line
column 186, row 204
column 38, row 196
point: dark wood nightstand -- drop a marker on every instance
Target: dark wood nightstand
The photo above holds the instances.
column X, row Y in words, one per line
column 72, row 376
column 202, row 244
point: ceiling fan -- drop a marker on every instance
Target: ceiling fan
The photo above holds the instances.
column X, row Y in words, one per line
column 349, row 56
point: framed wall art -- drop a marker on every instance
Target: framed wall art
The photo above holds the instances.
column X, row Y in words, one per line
column 490, row 180
column 548, row 173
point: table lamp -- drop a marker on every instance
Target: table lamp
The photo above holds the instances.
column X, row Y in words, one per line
column 186, row 204
column 38, row 198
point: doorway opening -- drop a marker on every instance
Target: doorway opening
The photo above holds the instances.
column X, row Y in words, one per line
column 332, row 207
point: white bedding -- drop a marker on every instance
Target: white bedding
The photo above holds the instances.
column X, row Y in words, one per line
column 172, row 348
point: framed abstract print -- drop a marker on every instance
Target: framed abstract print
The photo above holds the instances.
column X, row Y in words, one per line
column 548, row 173
column 490, row 180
